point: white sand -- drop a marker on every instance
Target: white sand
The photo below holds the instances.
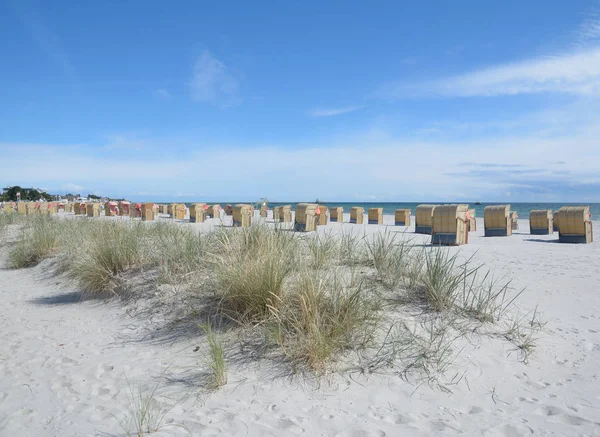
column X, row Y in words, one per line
column 65, row 365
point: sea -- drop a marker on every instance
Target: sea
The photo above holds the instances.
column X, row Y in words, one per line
column 522, row 209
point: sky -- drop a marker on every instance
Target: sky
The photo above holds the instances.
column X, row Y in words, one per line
column 297, row 100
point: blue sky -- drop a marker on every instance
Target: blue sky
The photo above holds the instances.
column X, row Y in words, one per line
column 382, row 101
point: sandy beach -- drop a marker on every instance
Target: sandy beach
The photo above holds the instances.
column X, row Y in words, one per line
column 68, row 367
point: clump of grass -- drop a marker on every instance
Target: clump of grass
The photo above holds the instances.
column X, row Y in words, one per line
column 111, row 249
column 145, row 413
column 351, row 250
column 487, row 300
column 39, row 239
column 250, row 266
column 7, row 219
column 427, row 353
column 321, row 248
column 216, row 361
column 321, row 319
column 177, row 250
column 444, row 279
column 413, row 273
column 389, row 258
column 521, row 332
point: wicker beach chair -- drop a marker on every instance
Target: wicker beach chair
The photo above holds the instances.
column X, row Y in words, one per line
column 497, row 221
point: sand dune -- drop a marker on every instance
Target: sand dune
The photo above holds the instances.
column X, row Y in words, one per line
column 67, row 367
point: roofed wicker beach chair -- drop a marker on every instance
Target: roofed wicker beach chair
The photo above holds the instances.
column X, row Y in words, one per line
column 124, row 207
column 575, row 225
column 68, row 207
column 497, row 221
column 31, row 208
column 555, row 221
column 424, row 219
column 111, row 209
column 242, row 215
column 77, row 208
column 322, row 215
column 83, row 208
column 306, row 217
column 450, row 225
column 43, row 208
column 148, row 211
column 93, row 209
column 336, row 214
column 263, row 210
column 228, row 209
column 198, row 212
column 213, row 211
column 282, row 214
column 7, row 208
column 541, row 222
column 402, row 217
column 375, row 216
column 356, row 215
column 22, row 208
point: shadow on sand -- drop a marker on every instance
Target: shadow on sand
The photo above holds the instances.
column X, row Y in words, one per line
column 539, row 240
column 68, row 298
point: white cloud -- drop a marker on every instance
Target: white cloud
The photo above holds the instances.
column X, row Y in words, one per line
column 589, row 30
column 213, row 82
column 72, row 188
column 162, row 93
column 575, row 73
column 389, row 169
column 322, row 112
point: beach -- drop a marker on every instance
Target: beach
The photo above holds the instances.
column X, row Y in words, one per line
column 69, row 367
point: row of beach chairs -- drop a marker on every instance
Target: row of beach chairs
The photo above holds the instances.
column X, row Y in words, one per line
column 447, row 224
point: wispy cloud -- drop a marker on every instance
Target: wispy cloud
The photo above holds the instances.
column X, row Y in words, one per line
column 481, row 168
column 330, row 112
column 575, row 73
column 72, row 188
column 162, row 93
column 589, row 31
column 212, row 81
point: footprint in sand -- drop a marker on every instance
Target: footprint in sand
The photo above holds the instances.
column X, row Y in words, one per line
column 561, row 415
column 361, row 433
column 508, row 431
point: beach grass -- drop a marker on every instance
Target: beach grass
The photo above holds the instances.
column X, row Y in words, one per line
column 217, row 364
column 250, row 266
column 319, row 300
column 321, row 317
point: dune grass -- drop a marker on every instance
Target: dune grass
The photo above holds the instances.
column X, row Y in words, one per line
column 445, row 278
column 145, row 413
column 7, row 219
column 217, row 364
column 315, row 298
column 320, row 318
column 250, row 266
column 322, row 248
column 110, row 250
column 39, row 239
column 389, row 257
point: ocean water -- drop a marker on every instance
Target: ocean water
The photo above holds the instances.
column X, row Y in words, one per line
column 522, row 209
